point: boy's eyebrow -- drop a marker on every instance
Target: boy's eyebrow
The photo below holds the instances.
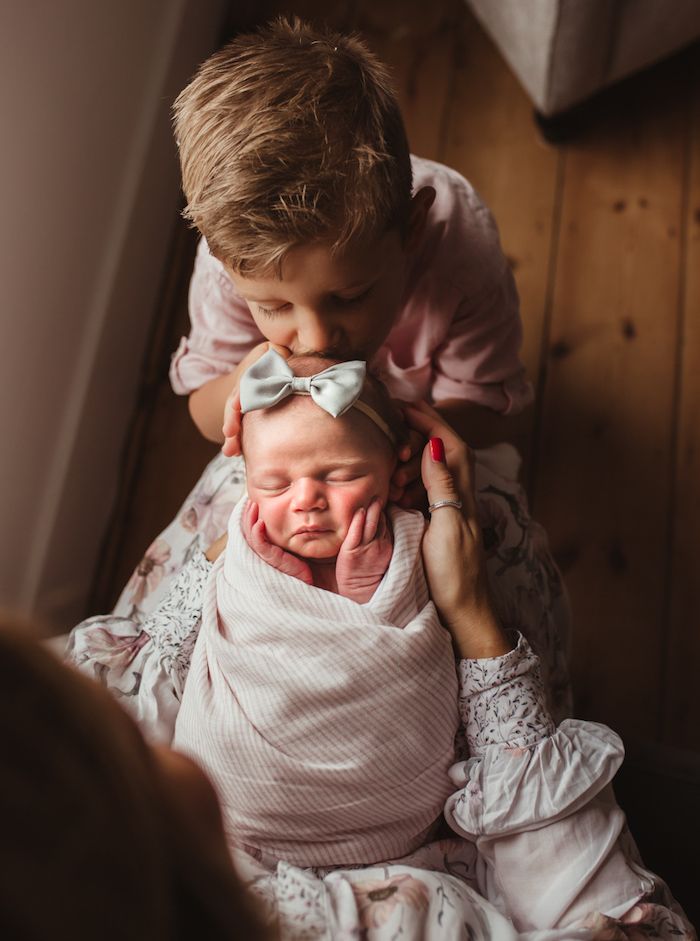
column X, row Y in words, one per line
column 361, row 282
column 262, row 300
column 270, row 299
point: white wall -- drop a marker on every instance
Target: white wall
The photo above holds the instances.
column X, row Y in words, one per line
column 90, row 194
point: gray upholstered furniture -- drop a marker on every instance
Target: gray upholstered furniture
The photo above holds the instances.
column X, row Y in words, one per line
column 563, row 51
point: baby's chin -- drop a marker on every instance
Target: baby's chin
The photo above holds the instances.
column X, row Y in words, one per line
column 321, row 547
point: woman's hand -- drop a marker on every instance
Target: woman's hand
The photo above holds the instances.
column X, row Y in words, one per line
column 453, row 554
column 365, row 554
column 256, row 537
column 231, row 427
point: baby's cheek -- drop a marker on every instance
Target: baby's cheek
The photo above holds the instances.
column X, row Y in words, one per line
column 350, row 501
column 271, row 512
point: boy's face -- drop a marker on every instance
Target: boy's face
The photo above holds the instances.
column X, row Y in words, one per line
column 341, row 305
column 309, row 472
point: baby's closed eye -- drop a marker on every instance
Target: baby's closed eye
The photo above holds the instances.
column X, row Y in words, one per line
column 271, row 484
column 342, row 478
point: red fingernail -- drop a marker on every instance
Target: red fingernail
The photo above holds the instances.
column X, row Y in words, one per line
column 437, row 450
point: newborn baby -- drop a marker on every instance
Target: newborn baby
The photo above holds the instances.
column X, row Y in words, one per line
column 322, row 695
column 318, row 484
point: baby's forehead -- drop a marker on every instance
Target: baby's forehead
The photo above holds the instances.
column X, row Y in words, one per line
column 303, row 422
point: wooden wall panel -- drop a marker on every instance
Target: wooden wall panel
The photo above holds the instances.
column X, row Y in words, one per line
column 603, row 488
column 682, row 713
column 492, row 140
column 417, row 42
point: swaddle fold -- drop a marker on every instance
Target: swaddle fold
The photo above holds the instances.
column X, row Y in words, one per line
column 327, row 726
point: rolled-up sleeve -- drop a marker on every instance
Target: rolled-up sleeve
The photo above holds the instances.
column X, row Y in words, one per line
column 222, row 329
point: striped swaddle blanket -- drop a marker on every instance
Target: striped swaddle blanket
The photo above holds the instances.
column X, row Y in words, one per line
column 327, row 726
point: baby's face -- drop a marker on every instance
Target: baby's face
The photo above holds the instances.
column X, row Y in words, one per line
column 309, row 472
column 342, row 305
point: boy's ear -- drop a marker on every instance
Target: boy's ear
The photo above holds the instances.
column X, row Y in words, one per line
column 420, row 204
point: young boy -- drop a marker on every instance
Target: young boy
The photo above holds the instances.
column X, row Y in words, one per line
column 323, row 235
column 319, row 702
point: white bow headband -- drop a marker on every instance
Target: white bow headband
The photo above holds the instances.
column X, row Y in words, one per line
column 335, row 389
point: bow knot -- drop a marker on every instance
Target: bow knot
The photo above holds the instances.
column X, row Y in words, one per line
column 270, row 380
column 301, row 385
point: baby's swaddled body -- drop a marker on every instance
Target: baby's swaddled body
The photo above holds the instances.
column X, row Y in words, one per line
column 326, row 725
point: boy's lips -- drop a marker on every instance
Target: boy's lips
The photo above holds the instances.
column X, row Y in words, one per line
column 310, row 529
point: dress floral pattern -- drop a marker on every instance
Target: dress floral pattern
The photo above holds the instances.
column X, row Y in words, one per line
column 521, row 779
column 508, row 783
column 448, row 889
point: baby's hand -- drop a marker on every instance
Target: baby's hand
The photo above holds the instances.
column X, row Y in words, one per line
column 364, row 555
column 231, row 427
column 406, row 488
column 256, row 537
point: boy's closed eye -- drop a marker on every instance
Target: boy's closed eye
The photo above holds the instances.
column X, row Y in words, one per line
column 355, row 299
column 337, row 300
column 273, row 311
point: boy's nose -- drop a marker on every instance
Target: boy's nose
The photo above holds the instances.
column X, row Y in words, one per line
column 308, row 495
column 315, row 334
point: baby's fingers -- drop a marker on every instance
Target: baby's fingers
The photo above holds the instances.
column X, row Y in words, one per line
column 260, row 544
column 250, row 516
column 372, row 519
column 355, row 532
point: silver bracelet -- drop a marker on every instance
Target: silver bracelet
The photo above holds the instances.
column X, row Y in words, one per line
column 436, row 506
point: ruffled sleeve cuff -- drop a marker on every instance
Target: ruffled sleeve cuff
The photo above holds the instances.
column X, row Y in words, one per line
column 515, row 789
column 523, row 772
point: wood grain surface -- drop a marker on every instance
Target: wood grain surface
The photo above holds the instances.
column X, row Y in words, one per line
column 603, row 235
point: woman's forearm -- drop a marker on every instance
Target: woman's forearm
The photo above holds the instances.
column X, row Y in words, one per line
column 477, row 632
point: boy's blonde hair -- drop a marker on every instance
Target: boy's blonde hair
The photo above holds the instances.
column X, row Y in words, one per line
column 288, row 136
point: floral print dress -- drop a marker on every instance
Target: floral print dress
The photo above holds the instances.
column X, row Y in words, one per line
column 533, row 845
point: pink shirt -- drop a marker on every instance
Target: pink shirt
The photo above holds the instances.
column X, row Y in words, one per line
column 458, row 333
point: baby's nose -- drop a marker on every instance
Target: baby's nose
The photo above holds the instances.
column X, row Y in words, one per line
column 308, row 494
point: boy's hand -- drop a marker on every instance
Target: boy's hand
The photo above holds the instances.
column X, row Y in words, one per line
column 365, row 554
column 406, row 488
column 232, row 407
column 256, row 537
